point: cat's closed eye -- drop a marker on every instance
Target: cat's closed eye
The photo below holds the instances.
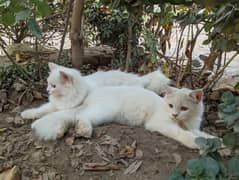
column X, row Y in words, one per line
column 170, row 105
column 184, row 108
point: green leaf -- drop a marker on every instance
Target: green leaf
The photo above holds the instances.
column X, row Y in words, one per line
column 208, row 145
column 233, row 167
column 231, row 139
column 176, row 175
column 22, row 15
column 43, row 8
column 232, row 118
column 211, row 166
column 194, row 167
column 236, row 128
column 227, row 97
column 236, row 86
column 8, row 18
column 34, row 28
column 206, row 42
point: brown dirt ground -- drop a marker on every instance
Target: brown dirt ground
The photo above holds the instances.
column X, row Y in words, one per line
column 66, row 158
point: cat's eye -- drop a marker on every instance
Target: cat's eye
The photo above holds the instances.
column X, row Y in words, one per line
column 53, row 85
column 183, row 108
column 170, row 105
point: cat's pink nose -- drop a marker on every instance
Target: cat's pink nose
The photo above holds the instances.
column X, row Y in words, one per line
column 175, row 115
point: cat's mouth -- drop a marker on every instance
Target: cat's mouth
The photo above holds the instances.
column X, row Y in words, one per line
column 180, row 123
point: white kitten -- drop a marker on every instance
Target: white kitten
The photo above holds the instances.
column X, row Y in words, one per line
column 67, row 92
column 131, row 106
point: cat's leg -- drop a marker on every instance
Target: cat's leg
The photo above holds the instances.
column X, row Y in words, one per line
column 54, row 125
column 94, row 114
column 173, row 131
column 202, row 134
column 38, row 112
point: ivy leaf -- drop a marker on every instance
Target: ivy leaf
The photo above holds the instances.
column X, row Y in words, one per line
column 22, row 15
column 43, row 8
column 236, row 86
column 231, row 139
column 227, row 97
column 8, row 18
column 233, row 167
column 208, row 145
column 194, row 167
column 211, row 166
column 232, row 118
column 176, row 175
column 236, row 128
column 34, row 28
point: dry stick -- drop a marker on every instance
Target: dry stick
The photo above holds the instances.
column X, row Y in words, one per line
column 179, row 44
column 129, row 44
column 14, row 63
column 211, row 84
column 68, row 13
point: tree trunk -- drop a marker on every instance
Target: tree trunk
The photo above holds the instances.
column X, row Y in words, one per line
column 76, row 35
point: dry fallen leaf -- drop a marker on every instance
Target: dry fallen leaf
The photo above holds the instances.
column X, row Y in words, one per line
column 110, row 141
column 3, row 130
column 101, row 153
column 11, row 174
column 133, row 167
column 225, row 152
column 100, row 167
column 129, row 151
column 37, row 95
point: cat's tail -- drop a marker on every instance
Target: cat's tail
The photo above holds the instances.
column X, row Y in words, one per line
column 157, row 81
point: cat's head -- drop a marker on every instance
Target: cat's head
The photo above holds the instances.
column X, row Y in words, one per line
column 61, row 80
column 183, row 104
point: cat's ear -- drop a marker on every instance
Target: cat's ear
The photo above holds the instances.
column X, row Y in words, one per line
column 65, row 77
column 52, row 66
column 197, row 95
column 168, row 90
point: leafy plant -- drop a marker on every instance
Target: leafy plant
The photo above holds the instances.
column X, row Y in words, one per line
column 14, row 12
column 228, row 112
column 209, row 166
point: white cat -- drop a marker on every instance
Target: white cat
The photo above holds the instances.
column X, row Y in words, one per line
column 126, row 105
column 64, row 95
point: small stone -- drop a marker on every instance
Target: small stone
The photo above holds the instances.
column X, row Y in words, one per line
column 139, row 154
column 18, row 121
column 70, row 141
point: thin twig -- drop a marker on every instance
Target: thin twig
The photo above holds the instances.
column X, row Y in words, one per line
column 13, row 62
column 68, row 13
column 211, row 84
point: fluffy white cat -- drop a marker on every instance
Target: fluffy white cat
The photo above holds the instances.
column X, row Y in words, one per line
column 64, row 95
column 177, row 116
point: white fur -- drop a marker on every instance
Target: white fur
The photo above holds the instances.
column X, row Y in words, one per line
column 125, row 105
column 74, row 94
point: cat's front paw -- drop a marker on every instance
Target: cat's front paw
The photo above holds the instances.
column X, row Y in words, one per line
column 84, row 129
column 29, row 114
column 47, row 129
